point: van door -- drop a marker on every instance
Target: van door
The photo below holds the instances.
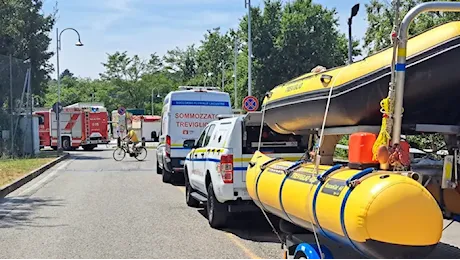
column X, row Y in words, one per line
column 209, row 161
column 196, row 176
column 185, row 122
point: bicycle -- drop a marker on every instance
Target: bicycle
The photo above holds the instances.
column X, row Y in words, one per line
column 123, row 148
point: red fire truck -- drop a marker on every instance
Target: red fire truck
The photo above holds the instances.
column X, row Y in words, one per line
column 82, row 125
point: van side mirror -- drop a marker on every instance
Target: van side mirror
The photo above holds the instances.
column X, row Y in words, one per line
column 154, row 136
column 189, row 143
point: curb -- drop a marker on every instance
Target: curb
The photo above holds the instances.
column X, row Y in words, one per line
column 5, row 190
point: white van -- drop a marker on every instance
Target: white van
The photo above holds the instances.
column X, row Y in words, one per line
column 185, row 114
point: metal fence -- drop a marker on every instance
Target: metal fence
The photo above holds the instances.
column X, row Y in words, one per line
column 19, row 129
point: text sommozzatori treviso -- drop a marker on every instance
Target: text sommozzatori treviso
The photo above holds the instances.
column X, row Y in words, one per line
column 194, row 120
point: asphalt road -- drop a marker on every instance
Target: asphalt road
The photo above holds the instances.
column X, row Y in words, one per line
column 91, row 206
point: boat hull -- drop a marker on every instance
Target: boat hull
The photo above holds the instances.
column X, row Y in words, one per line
column 430, row 95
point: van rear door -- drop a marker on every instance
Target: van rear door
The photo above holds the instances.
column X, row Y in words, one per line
column 191, row 111
column 184, row 121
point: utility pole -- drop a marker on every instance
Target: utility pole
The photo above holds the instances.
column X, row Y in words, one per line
column 248, row 5
column 11, row 103
column 234, row 74
column 223, row 77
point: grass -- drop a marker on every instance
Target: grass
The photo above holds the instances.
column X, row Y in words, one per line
column 12, row 169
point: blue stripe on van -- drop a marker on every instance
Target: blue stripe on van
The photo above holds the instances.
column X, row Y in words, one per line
column 200, row 103
column 215, row 160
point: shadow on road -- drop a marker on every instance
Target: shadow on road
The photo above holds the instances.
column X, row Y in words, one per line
column 16, row 212
column 95, row 150
column 248, row 226
column 445, row 251
column 86, row 157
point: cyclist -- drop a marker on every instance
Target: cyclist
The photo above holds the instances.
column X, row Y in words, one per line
column 131, row 137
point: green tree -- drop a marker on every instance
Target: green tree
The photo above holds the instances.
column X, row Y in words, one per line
column 67, row 73
column 292, row 39
column 266, row 26
column 25, row 35
column 214, row 56
column 380, row 17
column 125, row 74
column 182, row 64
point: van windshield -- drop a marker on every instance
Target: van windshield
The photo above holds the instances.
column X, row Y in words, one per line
column 272, row 142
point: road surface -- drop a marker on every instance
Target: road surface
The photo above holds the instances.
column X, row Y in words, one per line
column 90, row 206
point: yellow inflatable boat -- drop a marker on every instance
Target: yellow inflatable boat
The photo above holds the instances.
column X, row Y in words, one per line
column 379, row 214
column 431, row 80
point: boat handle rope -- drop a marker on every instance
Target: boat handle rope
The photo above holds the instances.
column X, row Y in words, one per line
column 353, row 181
column 280, row 195
column 321, row 137
column 293, row 167
column 322, row 177
column 262, row 168
column 264, row 165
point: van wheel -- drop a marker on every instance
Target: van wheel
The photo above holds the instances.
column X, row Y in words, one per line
column 191, row 201
column 217, row 212
column 166, row 176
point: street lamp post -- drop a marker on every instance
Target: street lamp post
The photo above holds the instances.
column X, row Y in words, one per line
column 151, row 102
column 248, row 5
column 209, row 74
column 354, row 12
column 158, row 95
column 58, row 48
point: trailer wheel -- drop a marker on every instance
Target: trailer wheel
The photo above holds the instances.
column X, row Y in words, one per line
column 217, row 212
column 66, row 145
column 300, row 255
column 311, row 251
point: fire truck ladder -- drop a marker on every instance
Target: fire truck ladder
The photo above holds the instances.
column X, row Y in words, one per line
column 87, row 126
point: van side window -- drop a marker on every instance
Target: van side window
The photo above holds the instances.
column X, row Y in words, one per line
column 199, row 143
column 208, row 136
column 41, row 120
column 272, row 142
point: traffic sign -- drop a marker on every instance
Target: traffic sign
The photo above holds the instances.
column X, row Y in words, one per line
column 250, row 103
column 121, row 110
column 57, row 108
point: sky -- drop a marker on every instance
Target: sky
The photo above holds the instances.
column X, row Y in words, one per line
column 152, row 26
